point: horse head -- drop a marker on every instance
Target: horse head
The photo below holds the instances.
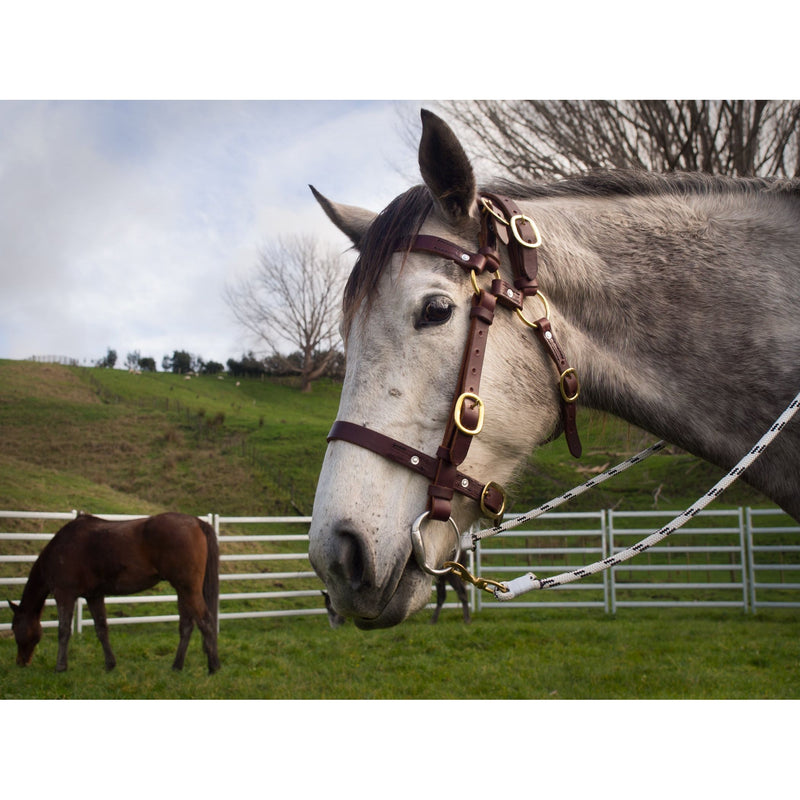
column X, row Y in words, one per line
column 407, row 318
column 27, row 630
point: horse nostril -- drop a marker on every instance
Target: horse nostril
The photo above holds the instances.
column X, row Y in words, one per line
column 351, row 559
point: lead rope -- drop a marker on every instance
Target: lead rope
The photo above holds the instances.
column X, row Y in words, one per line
column 528, row 582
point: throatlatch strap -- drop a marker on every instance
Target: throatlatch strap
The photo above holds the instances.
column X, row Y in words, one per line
column 567, row 384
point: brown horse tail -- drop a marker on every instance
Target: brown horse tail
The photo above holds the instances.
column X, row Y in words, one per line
column 211, row 578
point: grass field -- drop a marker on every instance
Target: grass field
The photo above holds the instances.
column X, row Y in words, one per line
column 107, row 441
column 547, row 654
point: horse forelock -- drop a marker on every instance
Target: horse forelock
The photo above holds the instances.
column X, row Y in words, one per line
column 403, row 217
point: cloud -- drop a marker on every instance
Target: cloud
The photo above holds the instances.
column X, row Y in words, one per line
column 120, row 223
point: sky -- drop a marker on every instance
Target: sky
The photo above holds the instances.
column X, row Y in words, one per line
column 130, row 195
column 122, row 221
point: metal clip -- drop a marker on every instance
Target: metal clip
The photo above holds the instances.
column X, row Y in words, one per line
column 479, row 583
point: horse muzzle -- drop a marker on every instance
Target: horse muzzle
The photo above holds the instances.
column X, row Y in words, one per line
column 374, row 589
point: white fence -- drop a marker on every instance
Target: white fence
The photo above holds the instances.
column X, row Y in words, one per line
column 773, row 557
column 740, row 558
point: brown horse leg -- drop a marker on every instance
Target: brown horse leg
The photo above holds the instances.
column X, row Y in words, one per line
column 463, row 596
column 185, row 628
column 209, row 631
column 193, row 609
column 66, row 606
column 97, row 607
column 441, row 592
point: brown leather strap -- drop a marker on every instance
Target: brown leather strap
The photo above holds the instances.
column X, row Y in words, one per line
column 524, row 260
column 567, row 382
column 456, row 443
column 441, row 247
column 414, row 459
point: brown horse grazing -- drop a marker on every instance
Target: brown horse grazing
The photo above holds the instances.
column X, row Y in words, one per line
column 92, row 557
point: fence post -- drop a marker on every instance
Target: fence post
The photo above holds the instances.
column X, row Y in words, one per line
column 751, row 567
column 612, row 576
column 743, row 550
column 608, row 572
column 214, row 520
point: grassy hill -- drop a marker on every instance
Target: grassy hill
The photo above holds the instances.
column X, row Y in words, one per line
column 110, row 441
column 106, row 440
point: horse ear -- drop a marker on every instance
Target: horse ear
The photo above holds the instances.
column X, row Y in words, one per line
column 446, row 170
column 13, row 606
column 350, row 220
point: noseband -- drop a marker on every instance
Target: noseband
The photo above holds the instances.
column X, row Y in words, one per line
column 500, row 220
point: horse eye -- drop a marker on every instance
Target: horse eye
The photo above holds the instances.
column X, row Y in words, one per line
column 436, row 311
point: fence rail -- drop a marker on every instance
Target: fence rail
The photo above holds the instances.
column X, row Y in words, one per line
column 739, row 558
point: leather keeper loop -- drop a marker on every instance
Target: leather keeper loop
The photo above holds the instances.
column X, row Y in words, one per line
column 482, row 313
column 506, row 295
column 442, row 492
column 527, row 286
column 492, row 258
column 439, row 509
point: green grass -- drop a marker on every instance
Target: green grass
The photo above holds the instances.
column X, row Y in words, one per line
column 666, row 654
column 107, row 441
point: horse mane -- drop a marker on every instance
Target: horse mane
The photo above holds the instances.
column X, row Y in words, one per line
column 403, row 217
column 640, row 183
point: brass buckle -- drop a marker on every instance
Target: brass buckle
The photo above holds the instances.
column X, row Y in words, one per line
column 457, row 414
column 513, row 225
column 489, row 206
column 573, row 398
column 546, row 311
column 496, row 516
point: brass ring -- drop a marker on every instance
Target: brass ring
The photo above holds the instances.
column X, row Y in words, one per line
column 474, row 280
column 418, row 546
column 530, row 324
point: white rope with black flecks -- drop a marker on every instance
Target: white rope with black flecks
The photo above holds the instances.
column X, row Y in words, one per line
column 469, row 540
column 526, row 583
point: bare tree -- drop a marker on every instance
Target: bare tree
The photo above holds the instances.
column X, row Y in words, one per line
column 293, row 298
column 535, row 139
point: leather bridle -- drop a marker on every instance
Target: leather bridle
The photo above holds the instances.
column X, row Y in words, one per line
column 500, row 220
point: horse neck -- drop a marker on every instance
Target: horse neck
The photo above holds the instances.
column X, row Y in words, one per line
column 36, row 588
column 649, row 305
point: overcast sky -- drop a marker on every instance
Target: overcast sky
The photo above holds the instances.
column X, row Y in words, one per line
column 121, row 222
